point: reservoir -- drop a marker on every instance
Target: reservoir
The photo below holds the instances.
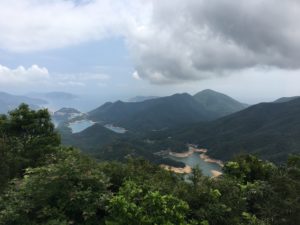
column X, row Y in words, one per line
column 80, row 125
column 119, row 130
column 194, row 161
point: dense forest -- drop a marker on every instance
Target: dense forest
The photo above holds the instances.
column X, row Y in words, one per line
column 43, row 182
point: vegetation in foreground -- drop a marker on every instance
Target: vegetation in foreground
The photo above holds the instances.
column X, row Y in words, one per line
column 42, row 182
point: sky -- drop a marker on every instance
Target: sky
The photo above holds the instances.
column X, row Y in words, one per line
column 111, row 50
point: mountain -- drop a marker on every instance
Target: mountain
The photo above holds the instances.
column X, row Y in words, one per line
column 9, row 102
column 65, row 114
column 92, row 138
column 104, row 144
column 286, row 99
column 54, row 96
column 142, row 98
column 59, row 95
column 217, row 103
column 154, row 114
column 270, row 130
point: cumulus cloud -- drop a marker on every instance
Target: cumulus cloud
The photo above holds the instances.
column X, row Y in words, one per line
column 23, row 76
column 31, row 25
column 136, row 75
column 196, row 39
column 168, row 41
column 36, row 76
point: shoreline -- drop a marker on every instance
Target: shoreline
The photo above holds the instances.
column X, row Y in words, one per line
column 203, row 155
column 185, row 170
column 215, row 173
column 206, row 158
column 191, row 151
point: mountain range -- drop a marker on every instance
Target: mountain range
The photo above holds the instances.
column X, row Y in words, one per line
column 270, row 130
column 209, row 119
column 166, row 112
column 141, row 98
column 9, row 102
column 286, row 99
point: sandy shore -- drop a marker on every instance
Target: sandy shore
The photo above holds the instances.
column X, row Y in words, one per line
column 215, row 173
column 203, row 156
column 182, row 154
column 206, row 158
column 188, row 153
column 186, row 169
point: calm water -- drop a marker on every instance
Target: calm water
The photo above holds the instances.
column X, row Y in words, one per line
column 80, row 125
column 194, row 160
column 119, row 130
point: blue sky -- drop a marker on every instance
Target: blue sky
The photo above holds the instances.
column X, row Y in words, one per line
column 73, row 59
column 119, row 49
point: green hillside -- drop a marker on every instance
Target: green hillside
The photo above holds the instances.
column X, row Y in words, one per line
column 217, row 103
column 270, row 130
column 9, row 102
column 167, row 112
column 160, row 113
column 91, row 138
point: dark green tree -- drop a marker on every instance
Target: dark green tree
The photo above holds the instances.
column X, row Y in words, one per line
column 27, row 137
column 72, row 190
column 137, row 206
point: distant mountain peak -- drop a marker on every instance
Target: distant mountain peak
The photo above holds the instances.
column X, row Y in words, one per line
column 68, row 110
column 286, row 99
column 9, row 102
column 218, row 103
column 211, row 92
column 141, row 98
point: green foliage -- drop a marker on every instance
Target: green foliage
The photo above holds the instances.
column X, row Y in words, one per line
column 71, row 191
column 27, row 137
column 54, row 185
column 249, row 168
column 137, row 206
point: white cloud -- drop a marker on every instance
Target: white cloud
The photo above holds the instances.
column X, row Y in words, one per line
column 28, row 25
column 168, row 41
column 23, row 76
column 136, row 75
column 36, row 76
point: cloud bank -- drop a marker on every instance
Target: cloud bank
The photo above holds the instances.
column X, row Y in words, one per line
column 169, row 41
column 37, row 77
column 196, row 39
column 23, row 76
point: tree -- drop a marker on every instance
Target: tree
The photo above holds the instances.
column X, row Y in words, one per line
column 137, row 206
column 249, row 168
column 27, row 137
column 72, row 190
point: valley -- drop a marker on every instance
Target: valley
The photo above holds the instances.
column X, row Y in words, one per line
column 166, row 125
column 148, row 125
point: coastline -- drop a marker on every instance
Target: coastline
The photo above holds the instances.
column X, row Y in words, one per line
column 206, row 158
column 215, row 173
column 188, row 153
column 185, row 170
column 203, row 155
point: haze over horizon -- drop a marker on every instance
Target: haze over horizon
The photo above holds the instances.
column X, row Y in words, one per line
column 117, row 50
